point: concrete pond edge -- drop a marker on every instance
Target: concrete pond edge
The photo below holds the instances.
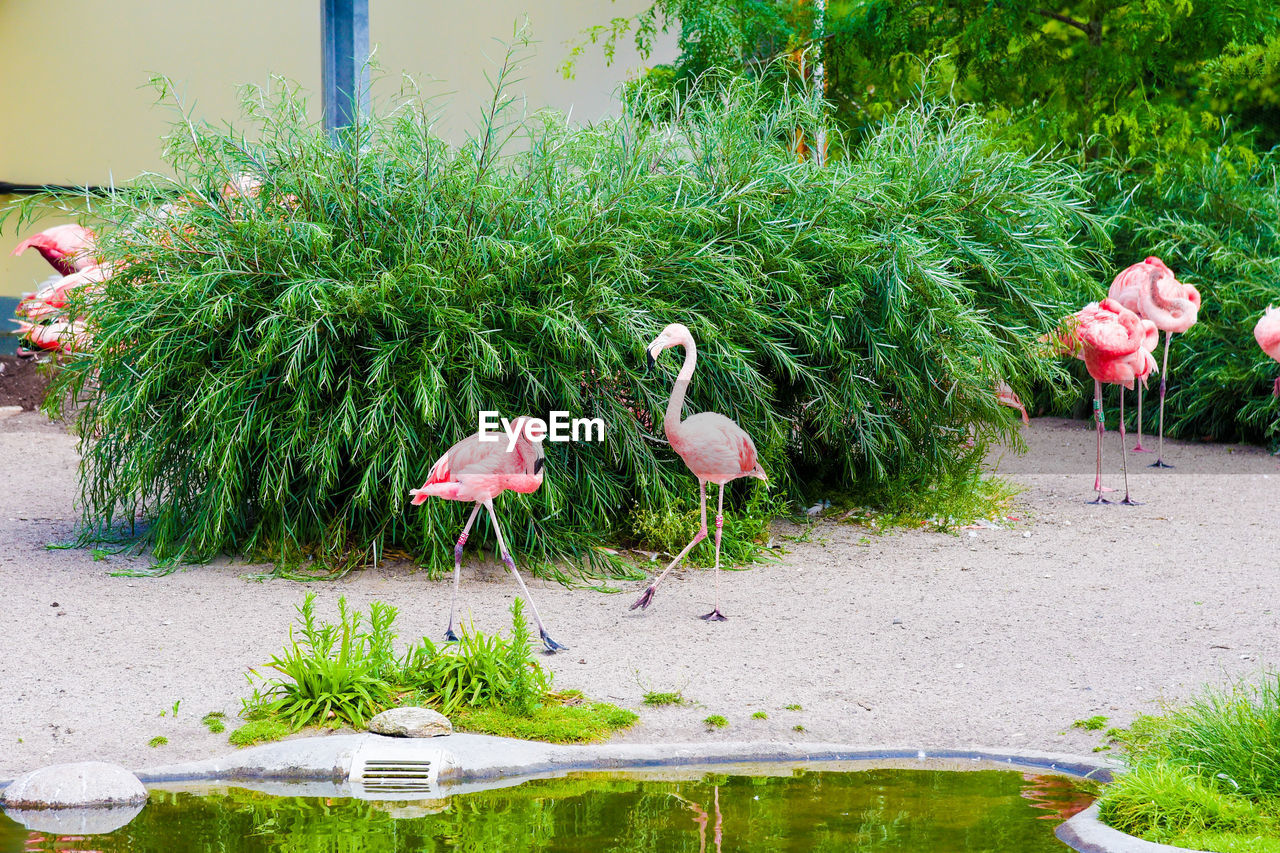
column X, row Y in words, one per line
column 462, row 763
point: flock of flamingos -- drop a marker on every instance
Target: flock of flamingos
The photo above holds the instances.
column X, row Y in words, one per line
column 1116, row 338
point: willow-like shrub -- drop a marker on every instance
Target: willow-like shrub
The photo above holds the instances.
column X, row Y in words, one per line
column 273, row 371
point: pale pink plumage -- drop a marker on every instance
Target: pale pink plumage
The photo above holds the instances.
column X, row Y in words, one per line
column 67, row 248
column 1267, row 334
column 476, row 472
column 713, row 447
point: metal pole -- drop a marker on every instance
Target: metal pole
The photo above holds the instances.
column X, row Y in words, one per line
column 344, row 45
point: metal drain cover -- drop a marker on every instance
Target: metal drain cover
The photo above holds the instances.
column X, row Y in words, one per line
column 396, row 769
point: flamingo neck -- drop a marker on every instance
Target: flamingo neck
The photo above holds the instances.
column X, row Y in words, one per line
column 675, row 406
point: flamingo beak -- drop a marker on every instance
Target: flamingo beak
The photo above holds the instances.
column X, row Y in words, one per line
column 653, row 360
column 538, row 465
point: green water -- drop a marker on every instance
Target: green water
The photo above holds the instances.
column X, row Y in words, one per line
column 923, row 811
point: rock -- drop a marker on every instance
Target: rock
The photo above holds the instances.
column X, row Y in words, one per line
column 84, row 783
column 411, row 722
column 91, row 820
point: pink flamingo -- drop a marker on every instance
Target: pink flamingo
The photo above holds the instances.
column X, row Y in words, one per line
column 68, row 248
column 1125, row 289
column 477, row 471
column 1267, row 333
column 713, row 447
column 58, row 337
column 1173, row 307
column 1113, row 342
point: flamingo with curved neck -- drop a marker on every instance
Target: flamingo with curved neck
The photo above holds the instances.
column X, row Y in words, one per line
column 1173, row 307
column 713, row 447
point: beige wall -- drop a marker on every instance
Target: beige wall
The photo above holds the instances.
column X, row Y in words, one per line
column 82, row 113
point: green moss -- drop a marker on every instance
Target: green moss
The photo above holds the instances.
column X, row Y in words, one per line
column 158, row 740
column 259, row 731
column 551, row 722
column 655, row 699
column 759, row 715
column 1091, row 724
column 716, row 721
column 214, row 722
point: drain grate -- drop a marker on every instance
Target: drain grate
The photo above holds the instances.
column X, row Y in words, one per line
column 403, row 770
column 397, row 776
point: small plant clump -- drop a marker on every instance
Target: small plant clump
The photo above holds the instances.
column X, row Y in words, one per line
column 655, row 699
column 214, row 721
column 1205, row 775
column 1091, row 724
column 158, row 740
column 342, row 674
column 716, row 721
column 792, row 707
column 760, row 715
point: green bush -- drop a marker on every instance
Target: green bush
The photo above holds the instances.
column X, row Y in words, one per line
column 333, row 673
column 479, row 671
column 1205, row 773
column 274, row 371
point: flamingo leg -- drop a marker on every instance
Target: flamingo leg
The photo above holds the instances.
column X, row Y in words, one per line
column 551, row 645
column 1128, row 501
column 1164, row 373
column 1097, row 417
column 1138, row 448
column 647, row 596
column 449, row 635
column 715, row 615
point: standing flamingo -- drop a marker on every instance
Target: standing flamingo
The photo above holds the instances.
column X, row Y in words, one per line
column 713, row 447
column 68, row 248
column 1125, row 289
column 478, row 471
column 1112, row 341
column 1173, row 307
column 1267, row 333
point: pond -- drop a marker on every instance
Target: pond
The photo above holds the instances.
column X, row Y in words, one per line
column 875, row 811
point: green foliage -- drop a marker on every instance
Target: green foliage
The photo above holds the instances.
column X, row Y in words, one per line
column 1099, row 75
column 214, row 721
column 792, row 707
column 550, row 721
column 333, row 673
column 716, row 721
column 1203, row 771
column 1095, row 723
column 655, row 699
column 259, row 731
column 158, row 740
column 479, row 671
column 274, row 371
column 760, row 715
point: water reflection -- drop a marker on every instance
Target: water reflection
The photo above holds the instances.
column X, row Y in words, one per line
column 876, row 811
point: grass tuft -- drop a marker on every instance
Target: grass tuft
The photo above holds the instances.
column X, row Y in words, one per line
column 716, row 721
column 655, row 699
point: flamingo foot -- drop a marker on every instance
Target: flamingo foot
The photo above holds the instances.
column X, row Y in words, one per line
column 551, row 645
column 643, row 601
column 1098, row 500
column 1128, row 501
column 1160, row 463
column 715, row 616
column 449, row 636
column 1138, row 448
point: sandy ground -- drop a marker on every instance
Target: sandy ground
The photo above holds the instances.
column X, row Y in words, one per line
column 1001, row 638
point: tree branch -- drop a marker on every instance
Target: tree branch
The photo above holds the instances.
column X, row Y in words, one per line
column 1069, row 21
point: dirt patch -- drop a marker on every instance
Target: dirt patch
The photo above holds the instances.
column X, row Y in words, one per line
column 22, row 382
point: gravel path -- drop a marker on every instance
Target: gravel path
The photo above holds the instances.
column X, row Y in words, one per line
column 1000, row 639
